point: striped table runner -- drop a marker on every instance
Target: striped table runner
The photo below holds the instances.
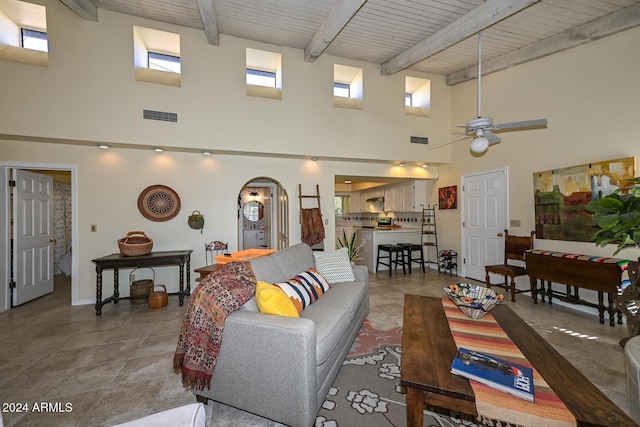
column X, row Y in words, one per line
column 486, row 336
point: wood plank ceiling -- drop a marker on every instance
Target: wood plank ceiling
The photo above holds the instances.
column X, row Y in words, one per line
column 434, row 36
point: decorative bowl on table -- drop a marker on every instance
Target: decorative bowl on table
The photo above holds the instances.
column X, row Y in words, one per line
column 474, row 301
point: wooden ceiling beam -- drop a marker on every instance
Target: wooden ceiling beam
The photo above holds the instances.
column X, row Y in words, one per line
column 85, row 9
column 209, row 21
column 340, row 15
column 478, row 19
column 607, row 25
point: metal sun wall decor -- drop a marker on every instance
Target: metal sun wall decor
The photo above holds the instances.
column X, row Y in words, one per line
column 561, row 196
column 448, row 197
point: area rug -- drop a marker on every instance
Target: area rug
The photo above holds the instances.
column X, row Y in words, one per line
column 367, row 390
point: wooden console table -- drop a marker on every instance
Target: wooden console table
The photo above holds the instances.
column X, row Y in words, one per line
column 154, row 259
column 428, row 348
column 599, row 274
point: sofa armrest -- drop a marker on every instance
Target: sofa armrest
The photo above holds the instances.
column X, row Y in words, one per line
column 361, row 272
column 261, row 354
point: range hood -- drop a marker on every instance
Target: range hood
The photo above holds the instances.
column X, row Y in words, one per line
column 375, row 200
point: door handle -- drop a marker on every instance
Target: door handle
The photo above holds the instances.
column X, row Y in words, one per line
column 500, row 234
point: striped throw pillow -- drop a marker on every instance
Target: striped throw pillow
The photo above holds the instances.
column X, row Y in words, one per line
column 335, row 266
column 305, row 289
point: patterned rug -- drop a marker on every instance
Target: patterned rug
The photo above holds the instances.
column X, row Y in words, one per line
column 367, row 390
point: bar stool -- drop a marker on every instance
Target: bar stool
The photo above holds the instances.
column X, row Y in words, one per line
column 409, row 249
column 391, row 249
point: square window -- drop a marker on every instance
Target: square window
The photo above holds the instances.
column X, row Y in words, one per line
column 162, row 62
column 261, row 77
column 35, row 40
column 341, row 89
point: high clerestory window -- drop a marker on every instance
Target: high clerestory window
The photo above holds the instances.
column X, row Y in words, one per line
column 341, row 89
column 417, row 96
column 35, row 40
column 347, row 87
column 162, row 62
column 23, row 33
column 261, row 77
column 263, row 74
column 156, row 56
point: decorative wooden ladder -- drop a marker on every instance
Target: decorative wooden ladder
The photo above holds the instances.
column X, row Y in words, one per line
column 319, row 246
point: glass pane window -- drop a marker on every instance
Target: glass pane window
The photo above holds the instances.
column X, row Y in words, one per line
column 261, row 78
column 408, row 100
column 36, row 40
column 339, row 205
column 341, row 89
column 162, row 62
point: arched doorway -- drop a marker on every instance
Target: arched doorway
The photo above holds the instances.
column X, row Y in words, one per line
column 263, row 215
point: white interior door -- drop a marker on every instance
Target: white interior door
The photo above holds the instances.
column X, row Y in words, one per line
column 485, row 213
column 5, row 246
column 32, row 236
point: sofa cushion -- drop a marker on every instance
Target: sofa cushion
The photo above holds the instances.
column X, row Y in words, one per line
column 335, row 266
column 331, row 322
column 348, row 296
column 305, row 288
column 266, row 269
column 293, row 260
column 272, row 300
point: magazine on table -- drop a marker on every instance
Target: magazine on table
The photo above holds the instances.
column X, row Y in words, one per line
column 500, row 374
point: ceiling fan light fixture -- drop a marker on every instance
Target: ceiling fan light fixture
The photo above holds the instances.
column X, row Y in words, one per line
column 479, row 144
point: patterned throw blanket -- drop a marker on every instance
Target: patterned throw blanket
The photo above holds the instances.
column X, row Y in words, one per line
column 218, row 295
column 311, row 226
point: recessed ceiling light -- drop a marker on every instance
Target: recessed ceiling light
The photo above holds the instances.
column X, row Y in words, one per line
column 425, row 165
column 206, row 153
column 103, row 146
column 401, row 164
column 347, row 181
column 158, row 149
column 314, row 158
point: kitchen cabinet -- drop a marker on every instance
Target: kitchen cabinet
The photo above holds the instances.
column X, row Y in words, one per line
column 355, row 202
column 394, row 199
column 372, row 194
column 406, row 197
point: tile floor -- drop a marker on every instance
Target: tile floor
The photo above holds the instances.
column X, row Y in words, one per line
column 117, row 367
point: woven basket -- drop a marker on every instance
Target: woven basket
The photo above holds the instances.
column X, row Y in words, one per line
column 139, row 290
column 136, row 243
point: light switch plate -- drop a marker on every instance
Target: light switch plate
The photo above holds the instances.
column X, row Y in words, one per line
column 514, row 223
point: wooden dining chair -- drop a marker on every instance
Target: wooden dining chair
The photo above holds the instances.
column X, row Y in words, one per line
column 514, row 250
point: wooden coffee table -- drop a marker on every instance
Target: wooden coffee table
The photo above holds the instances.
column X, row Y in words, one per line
column 428, row 349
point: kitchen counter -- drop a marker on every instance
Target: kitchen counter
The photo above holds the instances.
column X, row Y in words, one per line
column 372, row 237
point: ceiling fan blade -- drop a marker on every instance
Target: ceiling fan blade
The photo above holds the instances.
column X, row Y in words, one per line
column 523, row 124
column 491, row 137
column 452, row 140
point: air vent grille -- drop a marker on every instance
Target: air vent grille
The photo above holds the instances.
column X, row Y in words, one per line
column 159, row 115
column 419, row 140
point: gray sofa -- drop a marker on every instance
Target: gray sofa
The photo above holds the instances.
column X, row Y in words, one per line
column 282, row 367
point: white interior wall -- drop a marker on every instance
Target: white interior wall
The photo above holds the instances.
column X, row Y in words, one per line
column 589, row 94
column 110, row 181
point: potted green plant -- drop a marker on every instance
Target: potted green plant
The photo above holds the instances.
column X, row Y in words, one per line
column 351, row 243
column 617, row 216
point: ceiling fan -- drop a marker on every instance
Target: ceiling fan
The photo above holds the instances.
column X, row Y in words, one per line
column 481, row 128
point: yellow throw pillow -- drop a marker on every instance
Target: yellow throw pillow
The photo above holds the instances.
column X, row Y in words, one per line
column 272, row 300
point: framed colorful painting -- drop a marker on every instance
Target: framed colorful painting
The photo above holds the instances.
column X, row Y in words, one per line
column 561, row 196
column 448, row 197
